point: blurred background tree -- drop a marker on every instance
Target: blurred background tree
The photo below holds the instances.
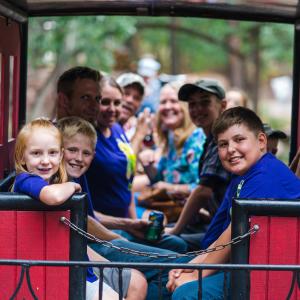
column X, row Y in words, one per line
column 245, row 53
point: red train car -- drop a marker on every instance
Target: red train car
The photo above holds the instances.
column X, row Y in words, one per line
column 14, row 16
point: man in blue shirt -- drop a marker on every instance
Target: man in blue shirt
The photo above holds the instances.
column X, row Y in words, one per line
column 78, row 95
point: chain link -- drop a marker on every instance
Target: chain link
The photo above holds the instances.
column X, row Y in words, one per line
column 91, row 237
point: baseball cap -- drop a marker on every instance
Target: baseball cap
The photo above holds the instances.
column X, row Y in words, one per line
column 211, row 86
column 148, row 67
column 126, row 79
column 270, row 132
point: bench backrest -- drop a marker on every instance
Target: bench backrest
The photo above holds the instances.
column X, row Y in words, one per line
column 35, row 236
column 278, row 242
column 31, row 230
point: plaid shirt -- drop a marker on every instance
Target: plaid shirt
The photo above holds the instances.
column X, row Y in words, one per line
column 212, row 174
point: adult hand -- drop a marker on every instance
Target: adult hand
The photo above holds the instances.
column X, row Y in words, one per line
column 179, row 195
column 170, row 230
column 138, row 227
column 145, row 122
column 147, row 157
column 163, row 185
column 178, row 277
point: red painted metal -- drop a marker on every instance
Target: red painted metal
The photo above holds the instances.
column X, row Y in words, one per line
column 37, row 236
column 276, row 243
column 10, row 35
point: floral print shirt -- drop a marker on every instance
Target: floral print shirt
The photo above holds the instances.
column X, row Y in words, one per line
column 182, row 168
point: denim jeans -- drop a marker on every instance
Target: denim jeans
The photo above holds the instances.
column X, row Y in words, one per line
column 152, row 275
column 212, row 288
column 168, row 241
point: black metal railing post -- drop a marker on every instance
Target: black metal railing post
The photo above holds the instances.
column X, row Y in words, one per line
column 78, row 248
column 239, row 253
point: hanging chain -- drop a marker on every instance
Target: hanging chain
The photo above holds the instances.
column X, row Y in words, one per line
column 91, row 237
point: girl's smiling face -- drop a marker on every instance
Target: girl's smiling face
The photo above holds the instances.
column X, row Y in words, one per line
column 43, row 153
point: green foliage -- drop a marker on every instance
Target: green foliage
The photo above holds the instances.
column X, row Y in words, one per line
column 86, row 40
column 92, row 40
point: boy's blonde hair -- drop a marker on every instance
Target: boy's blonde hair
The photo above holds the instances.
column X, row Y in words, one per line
column 181, row 133
column 70, row 126
column 21, row 143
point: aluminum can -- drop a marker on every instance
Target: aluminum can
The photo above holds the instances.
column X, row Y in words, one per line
column 155, row 229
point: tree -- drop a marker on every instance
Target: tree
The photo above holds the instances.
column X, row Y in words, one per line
column 244, row 52
column 61, row 42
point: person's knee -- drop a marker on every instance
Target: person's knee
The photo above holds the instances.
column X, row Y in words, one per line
column 137, row 287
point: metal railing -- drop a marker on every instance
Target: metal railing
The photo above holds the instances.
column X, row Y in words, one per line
column 162, row 267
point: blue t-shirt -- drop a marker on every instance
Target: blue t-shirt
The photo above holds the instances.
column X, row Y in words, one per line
column 111, row 172
column 85, row 189
column 269, row 178
column 31, row 185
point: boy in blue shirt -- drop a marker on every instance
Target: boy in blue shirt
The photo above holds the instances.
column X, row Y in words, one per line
column 79, row 141
column 242, row 148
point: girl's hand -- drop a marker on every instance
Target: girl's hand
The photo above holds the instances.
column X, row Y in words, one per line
column 77, row 187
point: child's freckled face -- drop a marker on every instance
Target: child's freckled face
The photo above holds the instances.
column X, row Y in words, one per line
column 78, row 155
column 43, row 153
column 239, row 148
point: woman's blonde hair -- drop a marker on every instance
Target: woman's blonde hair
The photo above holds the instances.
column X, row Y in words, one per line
column 181, row 133
column 21, row 143
column 70, row 126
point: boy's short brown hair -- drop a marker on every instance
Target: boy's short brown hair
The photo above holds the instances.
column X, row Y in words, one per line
column 237, row 116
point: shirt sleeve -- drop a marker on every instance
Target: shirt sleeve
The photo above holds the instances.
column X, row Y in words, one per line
column 29, row 184
column 212, row 172
column 193, row 150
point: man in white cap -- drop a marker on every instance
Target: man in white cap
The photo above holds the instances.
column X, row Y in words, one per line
column 134, row 89
column 148, row 68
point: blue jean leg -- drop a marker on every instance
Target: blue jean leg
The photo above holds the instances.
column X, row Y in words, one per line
column 212, row 289
column 167, row 241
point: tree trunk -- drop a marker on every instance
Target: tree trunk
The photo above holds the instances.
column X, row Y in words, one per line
column 175, row 56
column 236, row 69
column 254, row 65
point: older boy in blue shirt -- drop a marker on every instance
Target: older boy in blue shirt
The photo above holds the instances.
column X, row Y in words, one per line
column 242, row 148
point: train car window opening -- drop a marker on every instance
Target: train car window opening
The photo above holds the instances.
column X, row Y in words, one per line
column 10, row 97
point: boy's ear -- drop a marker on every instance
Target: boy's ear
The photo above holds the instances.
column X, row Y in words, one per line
column 262, row 138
